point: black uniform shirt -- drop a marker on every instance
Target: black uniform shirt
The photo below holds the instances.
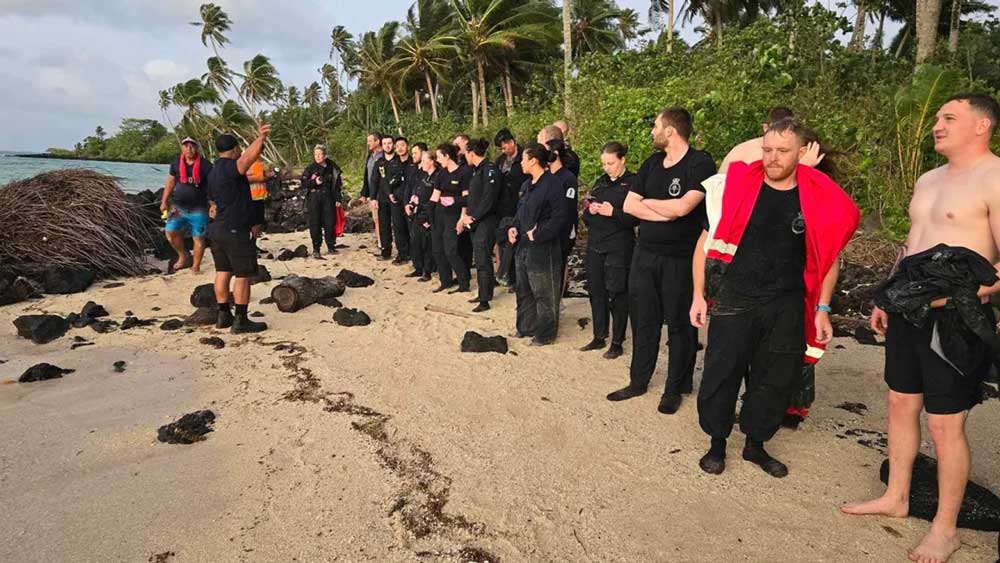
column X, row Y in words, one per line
column 483, row 191
column 390, row 174
column 452, row 184
column 617, row 232
column 677, row 237
column 230, row 191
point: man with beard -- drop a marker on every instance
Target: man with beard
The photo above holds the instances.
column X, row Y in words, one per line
column 389, row 172
column 668, row 200
column 369, row 188
column 769, row 270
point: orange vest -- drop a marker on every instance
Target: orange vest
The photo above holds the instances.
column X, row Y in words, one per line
column 258, row 190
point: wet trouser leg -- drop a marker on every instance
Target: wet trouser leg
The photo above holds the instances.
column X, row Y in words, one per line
column 660, row 288
column 401, row 231
column 451, row 241
column 314, row 214
column 527, row 311
column 770, row 341
column 329, row 222
column 483, row 241
column 544, row 273
column 465, row 247
column 597, row 289
column 385, row 226
column 437, row 241
column 420, row 247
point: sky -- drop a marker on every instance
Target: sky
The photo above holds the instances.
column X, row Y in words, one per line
column 67, row 66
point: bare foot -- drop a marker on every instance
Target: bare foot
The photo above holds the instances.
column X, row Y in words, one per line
column 882, row 506
column 195, row 270
column 182, row 262
column 936, row 547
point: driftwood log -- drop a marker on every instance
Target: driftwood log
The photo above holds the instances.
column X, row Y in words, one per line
column 297, row 292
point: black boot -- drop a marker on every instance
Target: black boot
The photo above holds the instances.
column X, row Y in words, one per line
column 625, row 393
column 669, row 403
column 614, row 351
column 595, row 344
column 225, row 319
column 754, row 452
column 243, row 325
column 714, row 461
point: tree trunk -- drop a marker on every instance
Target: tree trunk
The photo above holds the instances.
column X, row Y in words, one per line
column 928, row 13
column 416, row 101
column 433, row 93
column 857, row 43
column 670, row 26
column 956, row 20
column 395, row 111
column 879, row 32
column 718, row 28
column 475, row 104
column 481, row 68
column 567, row 59
column 296, row 292
column 902, row 42
column 508, row 90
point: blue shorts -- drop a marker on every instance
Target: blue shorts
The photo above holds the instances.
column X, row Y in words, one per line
column 194, row 221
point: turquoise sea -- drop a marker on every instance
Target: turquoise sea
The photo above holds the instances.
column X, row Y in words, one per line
column 134, row 177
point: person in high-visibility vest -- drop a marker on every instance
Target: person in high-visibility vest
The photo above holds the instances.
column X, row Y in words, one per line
column 258, row 177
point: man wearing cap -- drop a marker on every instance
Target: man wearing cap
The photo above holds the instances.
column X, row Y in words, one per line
column 233, row 248
column 185, row 204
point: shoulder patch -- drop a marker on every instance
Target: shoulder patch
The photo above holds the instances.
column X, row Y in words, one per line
column 571, row 193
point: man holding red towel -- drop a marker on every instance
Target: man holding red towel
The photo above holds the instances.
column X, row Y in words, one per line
column 768, row 269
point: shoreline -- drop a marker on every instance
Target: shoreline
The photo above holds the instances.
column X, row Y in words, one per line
column 50, row 156
column 385, row 443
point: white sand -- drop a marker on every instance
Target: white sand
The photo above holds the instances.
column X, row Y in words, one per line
column 524, row 454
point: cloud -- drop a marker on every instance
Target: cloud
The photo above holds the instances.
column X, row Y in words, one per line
column 165, row 69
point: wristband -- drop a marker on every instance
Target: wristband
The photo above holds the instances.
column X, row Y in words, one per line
column 824, row 308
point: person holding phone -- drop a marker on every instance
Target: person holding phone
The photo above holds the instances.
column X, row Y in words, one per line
column 610, row 242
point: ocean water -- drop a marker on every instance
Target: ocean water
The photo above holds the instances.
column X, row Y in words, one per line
column 133, row 177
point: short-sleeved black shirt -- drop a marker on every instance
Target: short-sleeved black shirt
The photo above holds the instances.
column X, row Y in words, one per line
column 677, row 237
column 230, row 191
column 190, row 195
column 452, row 184
column 771, row 258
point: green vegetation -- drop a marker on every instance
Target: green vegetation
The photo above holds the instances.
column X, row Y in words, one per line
column 473, row 66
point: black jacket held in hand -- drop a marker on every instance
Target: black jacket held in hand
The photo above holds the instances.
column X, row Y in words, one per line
column 945, row 271
column 331, row 180
column 617, row 232
column 391, row 175
column 542, row 207
column 483, row 192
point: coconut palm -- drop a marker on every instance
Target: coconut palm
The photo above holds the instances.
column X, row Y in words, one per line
column 595, row 27
column 219, row 76
column 165, row 102
column 628, row 26
column 428, row 50
column 292, row 97
column 657, row 9
column 193, row 94
column 311, row 95
column 214, row 24
column 260, row 82
column 377, row 68
column 486, row 28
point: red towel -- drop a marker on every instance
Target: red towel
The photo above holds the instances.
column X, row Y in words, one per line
column 341, row 222
column 195, row 171
column 831, row 219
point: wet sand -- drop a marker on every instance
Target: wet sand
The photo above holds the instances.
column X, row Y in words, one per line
column 384, row 443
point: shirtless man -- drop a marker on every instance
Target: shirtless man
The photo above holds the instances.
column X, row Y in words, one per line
column 957, row 204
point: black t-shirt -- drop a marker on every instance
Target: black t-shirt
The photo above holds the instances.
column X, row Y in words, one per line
column 192, row 194
column 230, row 191
column 771, row 258
column 617, row 232
column 677, row 237
column 452, row 184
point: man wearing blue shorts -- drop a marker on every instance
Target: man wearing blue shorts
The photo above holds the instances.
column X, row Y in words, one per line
column 185, row 203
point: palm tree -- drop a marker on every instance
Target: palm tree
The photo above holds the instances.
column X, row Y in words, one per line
column 260, row 82
column 427, row 50
column 628, row 26
column 956, row 20
column 377, row 68
column 928, row 14
column 658, row 8
column 165, row 102
column 214, row 24
column 595, row 27
column 218, row 76
column 230, row 117
column 857, row 42
column 191, row 95
column 486, row 28
column 713, row 12
column 292, row 96
column 311, row 95
column 341, row 41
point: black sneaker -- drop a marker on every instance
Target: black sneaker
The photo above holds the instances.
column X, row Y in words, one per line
column 316, row 255
column 595, row 344
column 474, row 300
column 414, row 274
column 441, row 288
column 243, row 325
column 424, row 278
column 384, row 257
column 481, row 308
column 541, row 342
column 224, row 320
column 625, row 393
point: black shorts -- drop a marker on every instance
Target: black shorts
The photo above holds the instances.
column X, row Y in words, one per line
column 912, row 367
column 233, row 251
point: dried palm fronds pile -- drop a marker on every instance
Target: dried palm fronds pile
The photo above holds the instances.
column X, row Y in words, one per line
column 77, row 218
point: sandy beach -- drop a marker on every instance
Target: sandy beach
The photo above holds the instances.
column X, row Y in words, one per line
column 385, row 443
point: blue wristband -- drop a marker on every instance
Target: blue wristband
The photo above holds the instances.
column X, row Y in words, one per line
column 824, row 308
